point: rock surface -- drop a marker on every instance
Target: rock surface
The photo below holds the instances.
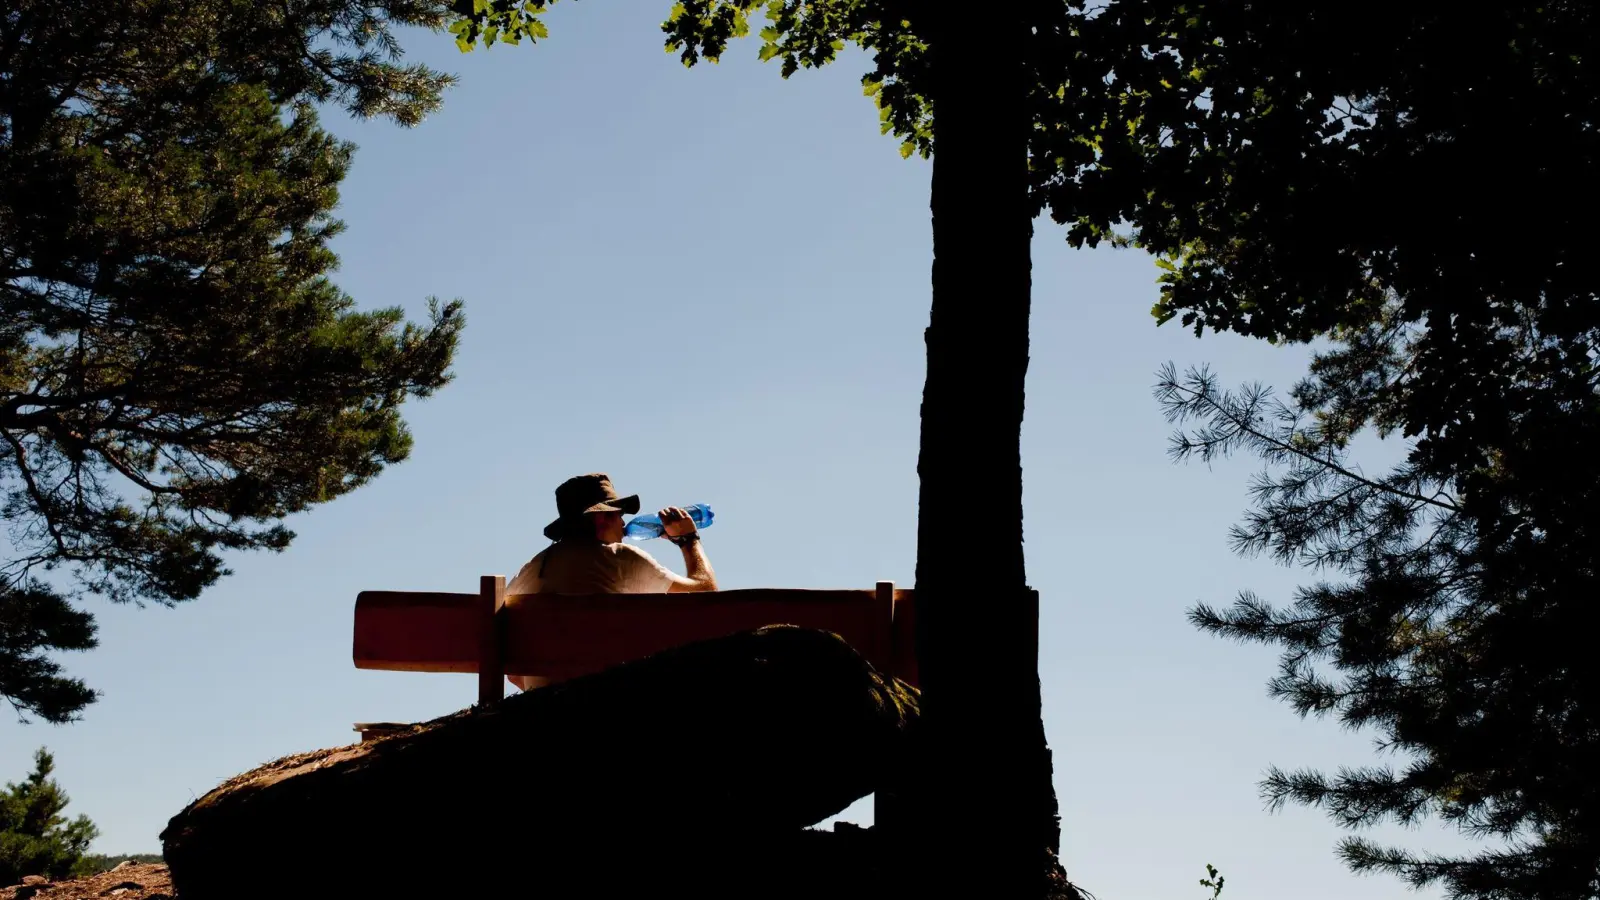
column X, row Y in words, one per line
column 698, row 767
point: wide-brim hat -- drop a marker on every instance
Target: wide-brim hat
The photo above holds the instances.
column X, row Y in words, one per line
column 583, row 494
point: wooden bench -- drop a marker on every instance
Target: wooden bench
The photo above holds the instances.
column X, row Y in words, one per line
column 534, row 639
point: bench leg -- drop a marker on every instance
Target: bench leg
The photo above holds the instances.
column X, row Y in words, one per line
column 491, row 659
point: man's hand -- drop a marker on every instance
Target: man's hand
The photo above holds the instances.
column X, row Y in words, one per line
column 675, row 522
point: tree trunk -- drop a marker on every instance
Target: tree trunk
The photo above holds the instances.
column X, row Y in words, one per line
column 984, row 809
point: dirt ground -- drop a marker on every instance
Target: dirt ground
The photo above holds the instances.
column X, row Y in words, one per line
column 129, row 881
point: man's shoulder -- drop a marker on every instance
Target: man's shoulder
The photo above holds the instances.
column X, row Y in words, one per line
column 527, row 578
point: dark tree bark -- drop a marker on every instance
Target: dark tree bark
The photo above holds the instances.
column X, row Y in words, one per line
column 984, row 809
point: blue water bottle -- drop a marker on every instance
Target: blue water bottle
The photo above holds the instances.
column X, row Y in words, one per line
column 647, row 526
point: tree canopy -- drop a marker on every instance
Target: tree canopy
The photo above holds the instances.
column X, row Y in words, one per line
column 178, row 372
column 1393, row 184
column 798, row 34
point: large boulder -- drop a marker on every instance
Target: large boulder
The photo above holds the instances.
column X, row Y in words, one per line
column 658, row 771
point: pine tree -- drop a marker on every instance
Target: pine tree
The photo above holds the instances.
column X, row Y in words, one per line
column 35, row 838
column 178, row 372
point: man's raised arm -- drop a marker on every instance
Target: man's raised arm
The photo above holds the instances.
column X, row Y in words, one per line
column 681, row 530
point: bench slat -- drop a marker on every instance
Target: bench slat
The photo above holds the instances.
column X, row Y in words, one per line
column 415, row 631
column 556, row 637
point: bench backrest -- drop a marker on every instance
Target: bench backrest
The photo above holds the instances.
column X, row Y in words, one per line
column 556, row 637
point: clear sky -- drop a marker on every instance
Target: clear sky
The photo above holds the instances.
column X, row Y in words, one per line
column 712, row 284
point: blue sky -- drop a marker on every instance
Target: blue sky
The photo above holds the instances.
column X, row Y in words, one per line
column 712, row 284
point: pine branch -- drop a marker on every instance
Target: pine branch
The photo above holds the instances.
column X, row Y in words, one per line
column 1178, row 399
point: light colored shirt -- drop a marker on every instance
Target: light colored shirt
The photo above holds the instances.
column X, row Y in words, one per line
column 589, row 568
